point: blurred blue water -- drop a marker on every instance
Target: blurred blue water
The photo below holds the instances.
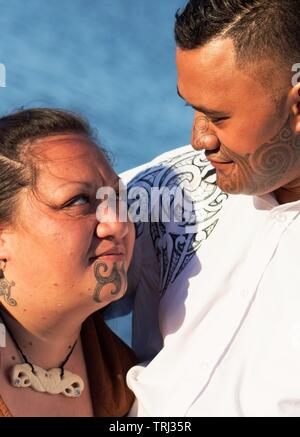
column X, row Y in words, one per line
column 111, row 60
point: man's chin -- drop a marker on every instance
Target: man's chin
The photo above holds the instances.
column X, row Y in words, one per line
column 229, row 186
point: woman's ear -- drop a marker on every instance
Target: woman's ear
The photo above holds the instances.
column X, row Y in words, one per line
column 295, row 108
column 5, row 247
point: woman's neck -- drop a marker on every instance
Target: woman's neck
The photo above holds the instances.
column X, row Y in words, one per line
column 47, row 346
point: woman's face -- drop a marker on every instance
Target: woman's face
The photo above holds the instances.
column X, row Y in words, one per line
column 60, row 256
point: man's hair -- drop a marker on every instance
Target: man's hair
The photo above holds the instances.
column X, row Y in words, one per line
column 259, row 29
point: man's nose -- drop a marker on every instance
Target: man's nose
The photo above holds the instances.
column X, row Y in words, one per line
column 203, row 137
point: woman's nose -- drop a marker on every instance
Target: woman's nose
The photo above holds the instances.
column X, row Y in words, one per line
column 114, row 229
column 203, row 137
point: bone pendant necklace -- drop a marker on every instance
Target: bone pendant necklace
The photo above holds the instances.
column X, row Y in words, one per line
column 53, row 381
column 47, row 381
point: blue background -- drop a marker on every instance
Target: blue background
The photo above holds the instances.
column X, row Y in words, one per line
column 111, row 60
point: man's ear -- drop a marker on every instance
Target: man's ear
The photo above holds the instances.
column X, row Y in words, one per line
column 295, row 108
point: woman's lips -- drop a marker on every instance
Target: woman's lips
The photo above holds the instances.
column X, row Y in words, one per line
column 110, row 257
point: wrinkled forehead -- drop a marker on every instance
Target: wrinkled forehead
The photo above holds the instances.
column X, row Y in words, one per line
column 69, row 157
column 62, row 146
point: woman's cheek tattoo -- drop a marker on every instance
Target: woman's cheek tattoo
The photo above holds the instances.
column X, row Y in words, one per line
column 113, row 280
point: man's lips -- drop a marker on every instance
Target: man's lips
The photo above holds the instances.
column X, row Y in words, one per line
column 216, row 162
column 216, row 158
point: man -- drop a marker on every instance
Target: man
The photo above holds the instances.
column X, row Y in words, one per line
column 229, row 320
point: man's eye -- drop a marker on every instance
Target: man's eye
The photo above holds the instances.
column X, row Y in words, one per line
column 218, row 120
column 81, row 199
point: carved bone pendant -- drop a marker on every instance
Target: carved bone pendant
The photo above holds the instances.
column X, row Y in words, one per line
column 47, row 381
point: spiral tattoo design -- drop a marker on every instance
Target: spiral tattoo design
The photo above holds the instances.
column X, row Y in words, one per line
column 257, row 172
column 200, row 130
column 114, row 279
column 5, row 291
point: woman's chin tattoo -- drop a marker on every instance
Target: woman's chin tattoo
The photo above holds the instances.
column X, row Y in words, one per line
column 5, row 291
column 114, row 279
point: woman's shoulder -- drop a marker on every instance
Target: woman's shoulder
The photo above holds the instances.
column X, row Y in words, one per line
column 108, row 360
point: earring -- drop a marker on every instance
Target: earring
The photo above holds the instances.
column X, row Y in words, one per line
column 5, row 285
column 2, row 268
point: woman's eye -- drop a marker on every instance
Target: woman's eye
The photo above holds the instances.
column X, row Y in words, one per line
column 82, row 199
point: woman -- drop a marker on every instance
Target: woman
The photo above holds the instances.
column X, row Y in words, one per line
column 59, row 266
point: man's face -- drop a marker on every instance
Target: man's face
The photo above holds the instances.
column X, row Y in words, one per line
column 245, row 133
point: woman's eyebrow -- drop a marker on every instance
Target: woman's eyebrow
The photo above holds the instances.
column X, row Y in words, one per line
column 86, row 184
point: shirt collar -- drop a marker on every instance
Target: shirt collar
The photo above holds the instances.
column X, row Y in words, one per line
column 269, row 202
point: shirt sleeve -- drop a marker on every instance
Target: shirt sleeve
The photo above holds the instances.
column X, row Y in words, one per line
column 179, row 186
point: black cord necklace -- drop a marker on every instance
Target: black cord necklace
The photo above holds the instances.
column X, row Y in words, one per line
column 53, row 381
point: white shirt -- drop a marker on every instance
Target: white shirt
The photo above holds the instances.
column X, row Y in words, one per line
column 230, row 321
column 163, row 251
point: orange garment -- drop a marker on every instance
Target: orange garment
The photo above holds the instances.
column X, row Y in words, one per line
column 4, row 411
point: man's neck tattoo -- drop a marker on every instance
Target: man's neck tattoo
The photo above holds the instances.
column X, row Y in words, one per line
column 113, row 280
column 5, row 290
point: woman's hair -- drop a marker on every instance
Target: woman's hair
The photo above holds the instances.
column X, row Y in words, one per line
column 17, row 165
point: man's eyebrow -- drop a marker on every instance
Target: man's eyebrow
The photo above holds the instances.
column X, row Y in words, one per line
column 211, row 112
